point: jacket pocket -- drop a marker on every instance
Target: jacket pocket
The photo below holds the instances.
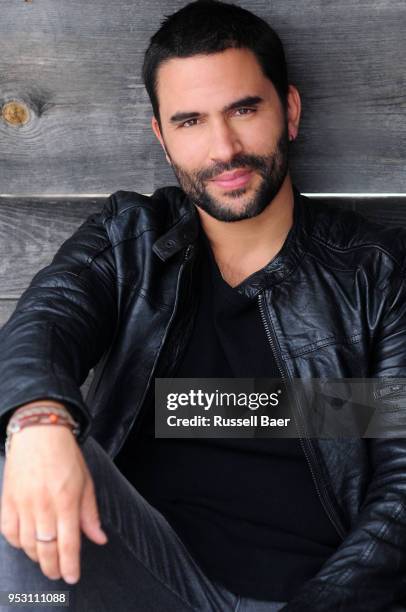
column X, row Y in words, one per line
column 327, row 341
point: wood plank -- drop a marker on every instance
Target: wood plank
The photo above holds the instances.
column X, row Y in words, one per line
column 31, row 231
column 7, row 307
column 76, row 65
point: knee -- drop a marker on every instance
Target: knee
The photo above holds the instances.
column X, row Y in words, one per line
column 102, row 469
column 97, row 460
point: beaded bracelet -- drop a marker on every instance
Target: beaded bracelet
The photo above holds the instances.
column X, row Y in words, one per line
column 39, row 415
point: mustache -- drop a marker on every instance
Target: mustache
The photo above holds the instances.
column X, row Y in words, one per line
column 252, row 162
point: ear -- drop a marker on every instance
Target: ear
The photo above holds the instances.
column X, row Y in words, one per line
column 157, row 131
column 294, row 107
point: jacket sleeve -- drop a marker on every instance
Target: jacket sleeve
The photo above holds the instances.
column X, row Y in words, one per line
column 367, row 572
column 61, row 325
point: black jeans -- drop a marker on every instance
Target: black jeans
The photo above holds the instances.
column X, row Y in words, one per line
column 144, row 567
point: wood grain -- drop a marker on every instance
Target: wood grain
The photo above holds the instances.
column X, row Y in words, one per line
column 31, row 231
column 76, row 66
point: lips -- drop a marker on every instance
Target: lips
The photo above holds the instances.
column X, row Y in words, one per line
column 230, row 180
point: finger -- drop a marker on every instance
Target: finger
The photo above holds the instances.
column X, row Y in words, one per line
column 9, row 522
column 27, row 535
column 46, row 525
column 89, row 514
column 48, row 559
column 69, row 542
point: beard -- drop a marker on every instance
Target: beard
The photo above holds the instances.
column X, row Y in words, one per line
column 272, row 168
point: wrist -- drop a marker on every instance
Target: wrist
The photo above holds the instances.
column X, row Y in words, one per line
column 39, row 413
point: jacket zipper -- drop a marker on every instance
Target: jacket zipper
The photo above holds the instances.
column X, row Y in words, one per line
column 186, row 257
column 321, row 491
column 182, row 266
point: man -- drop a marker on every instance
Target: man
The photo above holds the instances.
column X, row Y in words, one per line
column 234, row 274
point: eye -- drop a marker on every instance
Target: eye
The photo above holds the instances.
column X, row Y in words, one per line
column 243, row 109
column 188, row 123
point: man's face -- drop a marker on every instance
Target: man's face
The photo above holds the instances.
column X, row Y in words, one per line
column 224, row 131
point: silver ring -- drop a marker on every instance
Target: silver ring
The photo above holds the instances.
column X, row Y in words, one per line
column 45, row 538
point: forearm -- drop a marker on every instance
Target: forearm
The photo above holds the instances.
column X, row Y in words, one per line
column 62, row 324
column 367, row 572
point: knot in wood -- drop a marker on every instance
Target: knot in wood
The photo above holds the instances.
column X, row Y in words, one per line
column 15, row 113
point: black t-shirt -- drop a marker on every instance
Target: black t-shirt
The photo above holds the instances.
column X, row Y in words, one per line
column 247, row 509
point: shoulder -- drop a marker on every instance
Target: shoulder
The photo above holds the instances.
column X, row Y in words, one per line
column 164, row 200
column 128, row 214
column 350, row 233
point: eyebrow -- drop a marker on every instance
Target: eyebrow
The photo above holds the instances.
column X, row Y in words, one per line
column 247, row 101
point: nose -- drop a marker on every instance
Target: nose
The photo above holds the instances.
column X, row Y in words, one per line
column 224, row 142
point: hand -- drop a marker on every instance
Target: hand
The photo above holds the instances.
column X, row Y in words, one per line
column 48, row 489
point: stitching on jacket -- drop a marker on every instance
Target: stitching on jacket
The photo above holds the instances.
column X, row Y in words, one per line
column 278, row 281
column 135, row 236
column 153, row 302
column 91, row 258
column 117, row 213
column 329, row 340
column 359, row 246
column 112, row 246
column 320, row 260
column 366, row 555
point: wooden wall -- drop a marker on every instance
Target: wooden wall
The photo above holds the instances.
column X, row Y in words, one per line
column 75, row 69
column 75, row 118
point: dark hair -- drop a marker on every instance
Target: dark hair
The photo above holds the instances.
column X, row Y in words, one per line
column 210, row 26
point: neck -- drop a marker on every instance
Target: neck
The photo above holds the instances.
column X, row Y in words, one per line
column 243, row 247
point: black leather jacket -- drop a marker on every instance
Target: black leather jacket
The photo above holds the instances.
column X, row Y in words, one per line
column 119, row 295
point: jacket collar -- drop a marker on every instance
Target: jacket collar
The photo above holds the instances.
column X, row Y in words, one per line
column 186, row 227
